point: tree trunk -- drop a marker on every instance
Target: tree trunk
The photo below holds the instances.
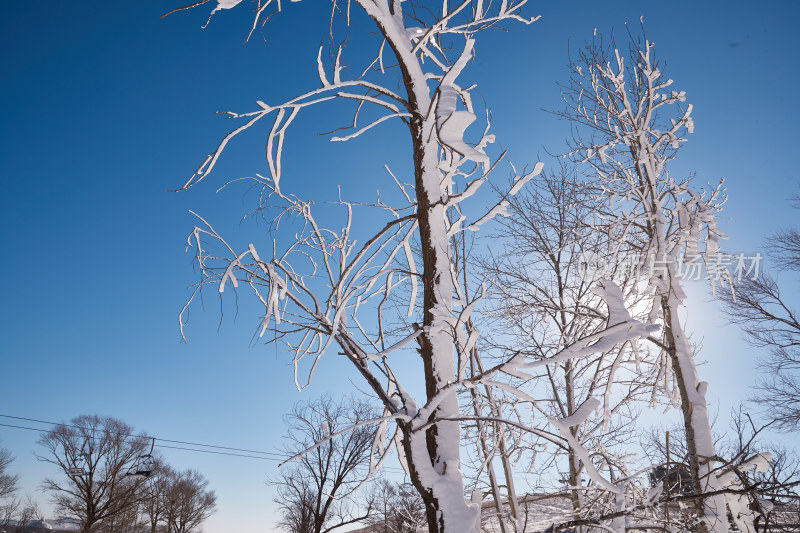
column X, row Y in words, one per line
column 699, row 439
column 436, row 470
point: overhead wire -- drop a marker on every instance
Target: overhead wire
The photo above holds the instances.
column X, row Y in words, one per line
column 149, row 436
column 279, row 458
column 268, row 456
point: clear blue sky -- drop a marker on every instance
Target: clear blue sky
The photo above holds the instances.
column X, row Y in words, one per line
column 105, row 106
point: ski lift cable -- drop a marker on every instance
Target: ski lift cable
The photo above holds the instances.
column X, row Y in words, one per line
column 40, row 430
column 278, row 459
column 277, row 455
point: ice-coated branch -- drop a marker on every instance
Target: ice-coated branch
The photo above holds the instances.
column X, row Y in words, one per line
column 578, row 417
column 348, row 429
column 620, row 329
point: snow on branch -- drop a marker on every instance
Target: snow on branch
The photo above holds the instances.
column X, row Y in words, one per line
column 621, row 328
column 348, row 429
column 578, row 417
column 501, row 208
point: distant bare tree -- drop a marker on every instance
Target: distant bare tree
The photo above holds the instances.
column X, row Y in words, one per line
column 398, row 509
column 296, row 502
column 22, row 516
column 189, row 502
column 16, row 515
column 124, row 521
column 94, row 455
column 8, row 482
column 769, row 321
column 155, row 496
column 313, row 490
column 8, row 485
column 784, row 244
column 7, row 511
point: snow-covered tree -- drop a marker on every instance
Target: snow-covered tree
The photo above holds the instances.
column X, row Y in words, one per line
column 427, row 50
column 332, row 285
column 630, row 124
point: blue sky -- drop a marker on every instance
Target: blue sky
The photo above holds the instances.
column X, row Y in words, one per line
column 105, row 106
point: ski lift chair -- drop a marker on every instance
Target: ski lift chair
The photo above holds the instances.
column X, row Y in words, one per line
column 144, row 465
